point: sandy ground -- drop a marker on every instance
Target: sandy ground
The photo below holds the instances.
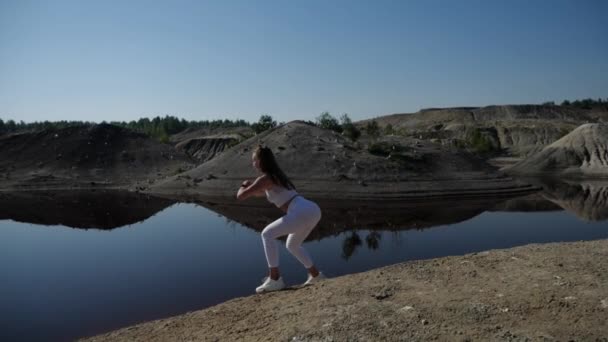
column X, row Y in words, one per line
column 548, row 292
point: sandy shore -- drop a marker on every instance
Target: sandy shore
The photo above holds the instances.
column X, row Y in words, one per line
column 548, row 292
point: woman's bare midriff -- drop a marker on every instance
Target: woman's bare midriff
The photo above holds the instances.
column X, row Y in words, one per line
column 285, row 206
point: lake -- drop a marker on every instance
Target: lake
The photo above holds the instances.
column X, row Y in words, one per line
column 76, row 264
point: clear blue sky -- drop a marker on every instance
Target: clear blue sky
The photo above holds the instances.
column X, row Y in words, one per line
column 122, row 60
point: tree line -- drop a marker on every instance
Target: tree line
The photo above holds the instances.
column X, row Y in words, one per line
column 161, row 128
column 588, row 103
column 158, row 127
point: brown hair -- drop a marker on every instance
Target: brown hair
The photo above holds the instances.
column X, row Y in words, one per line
column 269, row 166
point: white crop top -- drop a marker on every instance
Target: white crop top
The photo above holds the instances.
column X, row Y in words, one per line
column 279, row 195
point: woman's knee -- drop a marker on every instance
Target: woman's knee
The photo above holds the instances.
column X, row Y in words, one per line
column 270, row 232
column 293, row 245
column 267, row 234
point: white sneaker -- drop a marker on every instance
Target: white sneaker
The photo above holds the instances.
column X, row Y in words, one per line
column 270, row 285
column 314, row 280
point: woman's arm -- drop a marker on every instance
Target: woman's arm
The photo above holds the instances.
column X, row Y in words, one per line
column 253, row 189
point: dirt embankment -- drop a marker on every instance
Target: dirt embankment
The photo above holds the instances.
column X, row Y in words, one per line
column 85, row 156
column 516, row 130
column 550, row 292
column 205, row 148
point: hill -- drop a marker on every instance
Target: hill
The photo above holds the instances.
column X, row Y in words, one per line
column 517, row 130
column 325, row 164
column 85, row 155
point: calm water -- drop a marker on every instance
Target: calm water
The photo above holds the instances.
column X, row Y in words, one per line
column 75, row 265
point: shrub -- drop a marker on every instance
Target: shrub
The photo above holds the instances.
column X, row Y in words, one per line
column 481, row 142
column 388, row 129
column 372, row 129
column 384, row 148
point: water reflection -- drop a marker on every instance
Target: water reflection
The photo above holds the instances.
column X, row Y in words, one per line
column 347, row 215
column 588, row 200
column 352, row 241
column 163, row 265
column 105, row 209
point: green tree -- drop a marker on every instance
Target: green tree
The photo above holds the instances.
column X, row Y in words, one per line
column 327, row 121
column 264, row 123
column 348, row 128
column 566, row 103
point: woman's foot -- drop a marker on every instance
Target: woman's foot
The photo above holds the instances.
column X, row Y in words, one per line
column 313, row 280
column 270, row 285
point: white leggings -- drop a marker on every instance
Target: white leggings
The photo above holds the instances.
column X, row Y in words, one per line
column 302, row 216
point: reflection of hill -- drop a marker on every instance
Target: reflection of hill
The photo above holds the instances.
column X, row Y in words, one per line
column 587, row 200
column 91, row 209
column 340, row 216
column 529, row 203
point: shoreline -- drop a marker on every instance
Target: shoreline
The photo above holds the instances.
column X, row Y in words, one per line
column 371, row 192
column 554, row 291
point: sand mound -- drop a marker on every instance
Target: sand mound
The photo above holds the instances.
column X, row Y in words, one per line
column 103, row 154
column 323, row 163
column 581, row 153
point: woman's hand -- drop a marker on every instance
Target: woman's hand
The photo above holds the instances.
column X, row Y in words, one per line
column 255, row 188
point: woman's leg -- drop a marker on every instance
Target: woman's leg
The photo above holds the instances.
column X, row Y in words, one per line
column 280, row 227
column 298, row 223
column 294, row 245
column 308, row 214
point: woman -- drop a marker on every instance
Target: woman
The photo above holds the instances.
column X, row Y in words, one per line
column 301, row 217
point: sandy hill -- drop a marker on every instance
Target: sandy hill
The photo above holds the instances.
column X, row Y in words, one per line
column 325, row 164
column 581, row 153
column 515, row 129
column 77, row 156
